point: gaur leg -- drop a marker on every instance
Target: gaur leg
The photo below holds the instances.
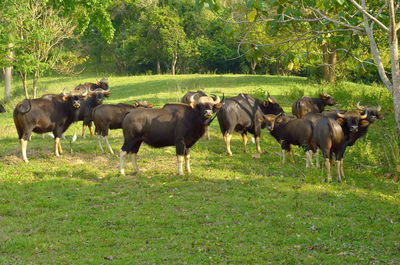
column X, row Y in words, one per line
column 227, row 139
column 83, row 130
column 56, row 144
column 108, row 144
column 187, row 161
column 309, row 154
column 258, row 147
column 341, row 168
column 24, row 145
column 122, row 155
column 90, row 129
column 285, row 148
column 207, row 133
column 245, row 139
column 338, row 170
column 180, row 152
column 130, row 146
column 99, row 142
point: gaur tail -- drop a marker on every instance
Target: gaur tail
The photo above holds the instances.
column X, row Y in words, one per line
column 24, row 107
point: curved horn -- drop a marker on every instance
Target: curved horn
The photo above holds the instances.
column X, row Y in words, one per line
column 340, row 115
column 213, row 96
column 86, row 92
column 63, row 91
column 363, row 117
column 359, row 106
column 217, row 100
column 191, row 99
column 378, row 108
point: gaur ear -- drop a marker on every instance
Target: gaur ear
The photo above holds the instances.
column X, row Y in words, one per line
column 193, row 105
column 271, row 100
column 340, row 121
column 65, row 98
column 135, row 104
column 150, row 105
column 261, row 119
column 279, row 119
column 218, row 105
column 107, row 94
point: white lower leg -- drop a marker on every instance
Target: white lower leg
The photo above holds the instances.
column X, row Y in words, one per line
column 134, row 163
column 108, row 144
column 99, row 142
column 187, row 164
column 180, row 164
column 316, row 159
column 341, row 168
column 309, row 158
column 338, row 171
column 83, row 131
column 56, row 143
column 24, row 144
column 60, row 151
column 283, row 156
column 257, row 139
column 227, row 139
column 328, row 168
column 122, row 155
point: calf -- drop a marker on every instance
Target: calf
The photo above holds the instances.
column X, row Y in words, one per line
column 179, row 125
column 243, row 114
column 54, row 114
column 199, row 93
column 292, row 131
column 332, row 136
column 306, row 104
column 110, row 116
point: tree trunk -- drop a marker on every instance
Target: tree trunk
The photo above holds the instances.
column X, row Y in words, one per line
column 158, row 66
column 394, row 60
column 7, row 80
column 253, row 66
column 34, row 85
column 329, row 60
column 173, row 63
column 24, row 83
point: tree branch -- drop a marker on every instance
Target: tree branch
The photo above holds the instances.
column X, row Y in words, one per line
column 336, row 21
column 364, row 11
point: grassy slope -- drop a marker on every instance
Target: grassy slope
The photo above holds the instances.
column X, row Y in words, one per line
column 76, row 209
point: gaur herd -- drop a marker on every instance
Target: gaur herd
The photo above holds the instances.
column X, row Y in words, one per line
column 183, row 124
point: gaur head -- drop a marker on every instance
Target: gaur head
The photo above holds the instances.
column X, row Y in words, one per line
column 75, row 97
column 351, row 119
column 99, row 94
column 373, row 112
column 327, row 99
column 270, row 106
column 103, row 84
column 206, row 105
column 269, row 121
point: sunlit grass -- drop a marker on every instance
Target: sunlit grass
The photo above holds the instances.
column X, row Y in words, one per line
column 76, row 209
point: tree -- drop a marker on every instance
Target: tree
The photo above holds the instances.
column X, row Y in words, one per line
column 369, row 21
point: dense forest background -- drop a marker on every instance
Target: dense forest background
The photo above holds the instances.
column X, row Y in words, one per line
column 132, row 37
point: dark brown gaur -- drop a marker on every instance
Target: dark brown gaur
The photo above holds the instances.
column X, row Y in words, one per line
column 109, row 117
column 306, row 105
column 331, row 136
column 54, row 114
column 175, row 124
column 242, row 114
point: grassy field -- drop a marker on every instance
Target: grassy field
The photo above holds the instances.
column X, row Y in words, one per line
column 76, row 209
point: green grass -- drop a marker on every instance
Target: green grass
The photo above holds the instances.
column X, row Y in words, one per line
column 76, row 209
